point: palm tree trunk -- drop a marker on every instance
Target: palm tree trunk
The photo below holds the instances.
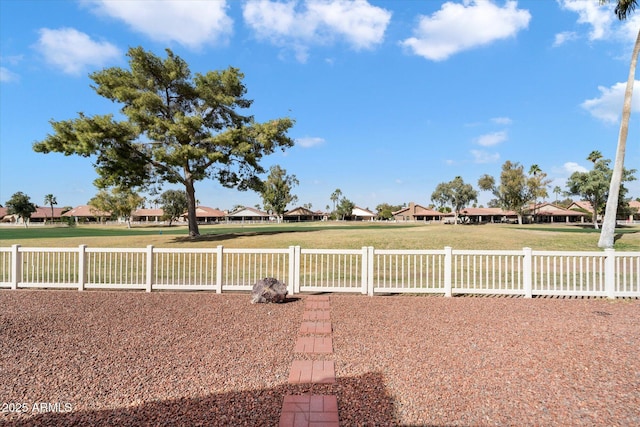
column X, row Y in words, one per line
column 609, row 222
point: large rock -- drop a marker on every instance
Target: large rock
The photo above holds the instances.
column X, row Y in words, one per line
column 268, row 290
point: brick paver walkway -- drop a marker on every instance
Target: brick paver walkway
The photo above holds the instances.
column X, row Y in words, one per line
column 314, row 337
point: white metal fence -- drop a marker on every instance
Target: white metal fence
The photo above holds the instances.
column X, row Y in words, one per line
column 367, row 270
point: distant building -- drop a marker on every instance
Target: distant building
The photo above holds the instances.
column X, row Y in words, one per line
column 247, row 214
column 301, row 214
column 359, row 214
column 415, row 212
column 87, row 213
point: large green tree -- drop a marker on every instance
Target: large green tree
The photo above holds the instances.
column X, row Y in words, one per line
column 345, row 208
column 515, row 190
column 276, row 190
column 385, row 210
column 623, row 10
column 455, row 193
column 121, row 202
column 20, row 205
column 179, row 128
column 593, row 185
column 174, row 203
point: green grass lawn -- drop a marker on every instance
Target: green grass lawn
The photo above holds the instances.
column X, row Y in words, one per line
column 343, row 235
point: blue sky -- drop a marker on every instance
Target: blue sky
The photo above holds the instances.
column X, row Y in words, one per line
column 390, row 97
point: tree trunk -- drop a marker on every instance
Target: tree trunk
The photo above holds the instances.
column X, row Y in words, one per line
column 191, row 208
column 609, row 222
column 595, row 216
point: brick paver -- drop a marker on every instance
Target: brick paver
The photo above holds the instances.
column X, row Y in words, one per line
column 314, row 338
column 312, row 372
column 316, row 305
column 309, row 411
column 315, row 328
column 316, row 315
column 314, row 344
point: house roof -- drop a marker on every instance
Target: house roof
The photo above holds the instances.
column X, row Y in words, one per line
column 86, row 211
column 362, row 212
column 582, row 204
column 45, row 212
column 485, row 212
column 148, row 212
column 206, row 212
column 419, row 211
column 634, row 204
column 549, row 209
column 248, row 212
column 301, row 211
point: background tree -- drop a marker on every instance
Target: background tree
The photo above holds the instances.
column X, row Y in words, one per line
column 121, row 202
column 345, row 208
column 537, row 183
column 50, row 200
column 557, row 191
column 335, row 196
column 456, row 194
column 515, row 190
column 385, row 210
column 593, row 185
column 174, row 203
column 622, row 10
column 20, row 205
column 276, row 191
column 179, row 129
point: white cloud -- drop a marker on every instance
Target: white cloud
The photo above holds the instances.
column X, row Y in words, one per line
column 7, row 76
column 571, row 167
column 189, row 23
column 309, row 141
column 592, row 14
column 603, row 24
column 564, row 37
column 319, row 22
column 502, row 120
column 491, row 139
column 73, row 51
column 481, row 156
column 457, row 27
column 608, row 106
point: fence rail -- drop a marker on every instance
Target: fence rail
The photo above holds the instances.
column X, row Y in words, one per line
column 367, row 270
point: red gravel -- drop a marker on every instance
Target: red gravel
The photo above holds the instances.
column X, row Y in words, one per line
column 169, row 358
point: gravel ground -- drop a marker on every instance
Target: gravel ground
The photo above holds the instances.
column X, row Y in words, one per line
column 164, row 358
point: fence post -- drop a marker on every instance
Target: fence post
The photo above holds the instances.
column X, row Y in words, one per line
column 16, row 266
column 370, row 282
column 610, row 273
column 82, row 266
column 291, row 286
column 149, row 275
column 219, row 268
column 296, row 270
column 527, row 273
column 364, row 284
column 448, row 261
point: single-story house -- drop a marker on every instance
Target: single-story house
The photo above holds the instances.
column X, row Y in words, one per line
column 359, row 214
column 247, row 214
column 302, row 214
column 87, row 213
column 43, row 214
column 415, row 212
column 206, row 215
column 147, row 215
column 484, row 215
column 548, row 212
